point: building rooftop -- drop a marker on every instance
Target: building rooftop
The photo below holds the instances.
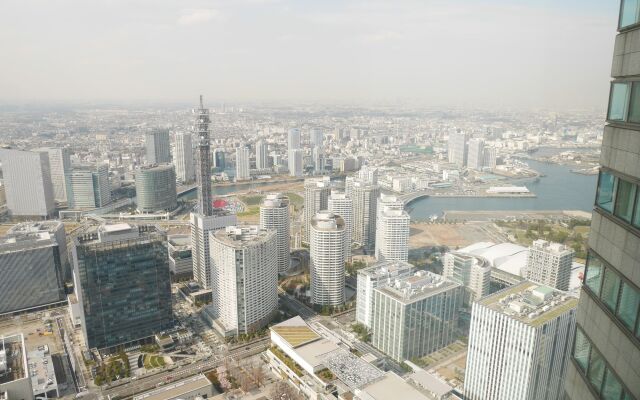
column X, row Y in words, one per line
column 27, row 227
column 350, row 369
column 475, row 260
column 420, row 285
column 178, row 241
column 26, row 240
column 391, row 386
column 113, row 232
column 177, row 389
column 240, row 236
column 295, row 332
column 507, row 257
column 327, row 221
column 275, row 200
column 530, row 303
column 430, row 383
column 386, row 268
column 320, row 182
column 550, row 247
column 13, row 358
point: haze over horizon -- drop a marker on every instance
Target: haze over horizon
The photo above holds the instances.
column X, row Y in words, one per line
column 509, row 54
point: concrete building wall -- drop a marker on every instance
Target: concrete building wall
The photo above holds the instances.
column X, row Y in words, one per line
column 27, row 179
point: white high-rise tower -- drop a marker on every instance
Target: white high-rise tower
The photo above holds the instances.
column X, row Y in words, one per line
column 392, row 229
column 549, row 264
column 27, row 181
column 244, row 278
column 262, row 154
column 185, row 169
column 327, row 259
column 274, row 214
column 242, row 163
column 316, row 198
column 342, row 206
column 158, row 147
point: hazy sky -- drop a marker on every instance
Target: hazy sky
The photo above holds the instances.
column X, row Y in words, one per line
column 536, row 53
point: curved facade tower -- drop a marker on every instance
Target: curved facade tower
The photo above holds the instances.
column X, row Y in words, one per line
column 327, row 259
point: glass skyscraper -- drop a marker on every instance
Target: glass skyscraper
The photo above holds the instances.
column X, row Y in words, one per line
column 123, row 284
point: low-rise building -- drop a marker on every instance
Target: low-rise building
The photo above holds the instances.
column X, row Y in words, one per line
column 195, row 387
column 15, row 378
column 180, row 260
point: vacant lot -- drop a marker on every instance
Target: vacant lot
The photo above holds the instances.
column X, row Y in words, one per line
column 451, row 235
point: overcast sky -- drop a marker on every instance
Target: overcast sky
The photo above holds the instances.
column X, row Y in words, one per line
column 553, row 54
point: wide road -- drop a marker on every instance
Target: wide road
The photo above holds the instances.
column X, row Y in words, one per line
column 143, row 384
column 296, row 305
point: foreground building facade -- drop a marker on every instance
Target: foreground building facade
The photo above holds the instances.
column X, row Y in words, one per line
column 519, row 344
column 31, row 271
column 123, row 284
column 244, row 278
column 606, row 356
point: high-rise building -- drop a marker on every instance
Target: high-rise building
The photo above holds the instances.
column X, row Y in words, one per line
column 457, row 148
column 326, row 250
column 475, row 157
column 519, row 344
column 365, row 202
column 156, row 188
column 274, row 215
column 59, row 166
column 88, row 186
column 379, row 274
column 549, row 264
column 293, row 139
column 31, row 271
column 294, row 152
column 244, row 278
column 55, row 229
column 318, row 160
column 316, row 198
column 490, row 156
column 368, row 175
column 606, row 356
column 219, row 159
column 183, row 160
column 123, row 283
column 341, row 205
column 392, row 229
column 474, row 273
column 316, row 137
column 200, row 227
column 296, row 162
column 203, row 159
column 242, row 163
column 262, row 155
column 415, row 315
column 158, row 146
column 27, row 178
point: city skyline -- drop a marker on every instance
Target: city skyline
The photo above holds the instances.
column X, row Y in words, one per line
column 353, row 53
